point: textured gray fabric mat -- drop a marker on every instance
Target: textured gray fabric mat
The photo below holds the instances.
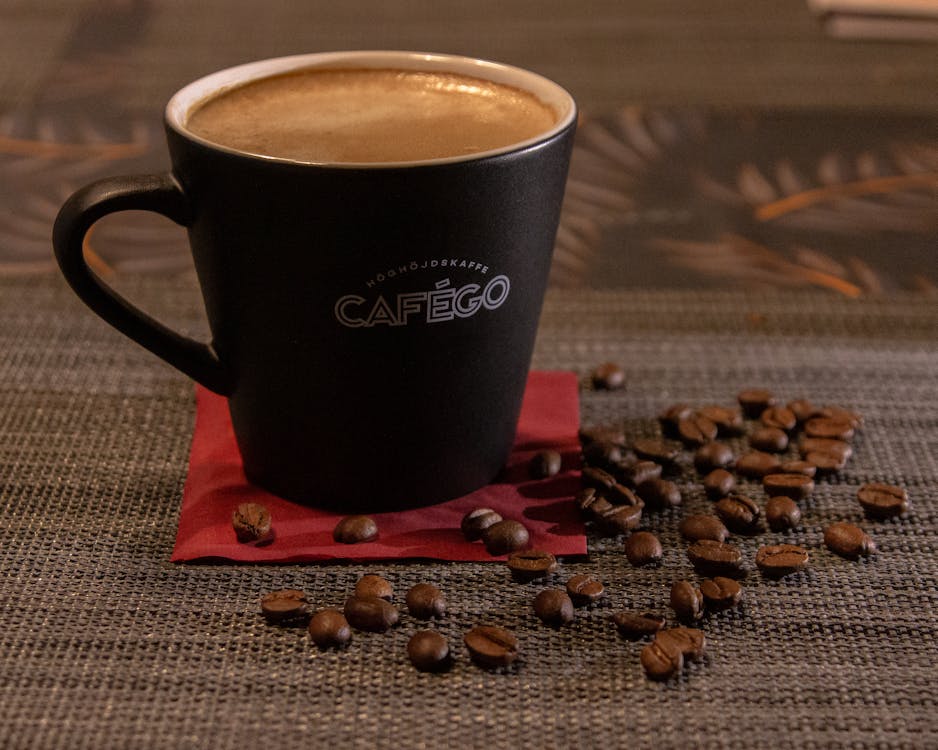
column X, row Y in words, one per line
column 103, row 643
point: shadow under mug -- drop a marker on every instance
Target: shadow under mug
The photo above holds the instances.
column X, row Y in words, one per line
column 372, row 324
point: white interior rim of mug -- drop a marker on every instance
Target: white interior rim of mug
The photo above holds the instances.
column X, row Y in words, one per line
column 553, row 95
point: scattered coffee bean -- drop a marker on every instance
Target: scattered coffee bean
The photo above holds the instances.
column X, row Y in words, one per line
column 329, row 629
column 670, row 417
column 883, row 500
column 636, row 473
column 602, row 434
column 687, row 601
column 690, row 641
column 475, row 522
column 553, row 607
column 720, row 593
column 583, row 590
column 769, row 439
column 504, row 537
column 662, row 661
column 653, row 449
column 370, row 613
column 490, row 646
column 530, row 564
column 798, row 467
column 779, row 417
column 634, row 626
column 827, row 427
column 619, row 494
column 643, row 548
column 696, row 430
column 713, row 456
column 826, row 463
column 251, row 522
column 719, row 483
column 803, row 410
column 740, row 513
column 545, row 464
column 848, row 540
column 596, row 478
column 754, row 401
column 756, row 464
column 778, row 560
column 782, row 513
column 837, row 448
column 842, row 415
column 602, row 455
column 729, row 421
column 355, row 529
column 284, row 605
column 591, row 502
column 618, row 519
column 796, row 486
column 700, row 526
column 426, row 602
column 716, row 558
column 659, row 493
column 428, row 651
column 608, row 377
column 372, row 585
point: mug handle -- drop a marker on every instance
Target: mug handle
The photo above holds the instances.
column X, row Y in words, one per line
column 163, row 195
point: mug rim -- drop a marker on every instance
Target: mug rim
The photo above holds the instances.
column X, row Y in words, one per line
column 184, row 101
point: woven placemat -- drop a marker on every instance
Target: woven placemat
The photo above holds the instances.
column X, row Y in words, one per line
column 107, row 644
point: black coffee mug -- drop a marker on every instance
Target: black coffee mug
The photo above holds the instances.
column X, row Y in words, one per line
column 372, row 325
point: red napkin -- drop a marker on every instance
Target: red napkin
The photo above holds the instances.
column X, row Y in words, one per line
column 215, row 486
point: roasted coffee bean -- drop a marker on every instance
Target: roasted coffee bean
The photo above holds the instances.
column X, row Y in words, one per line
column 720, row 593
column 635, row 473
column 619, row 494
column 618, row 519
column 590, row 502
column 370, row 613
column 596, row 478
column 670, row 417
column 841, row 414
column 329, row 629
column 798, row 467
column 696, row 430
column 716, row 558
column 782, row 513
column 740, row 513
column 603, row 455
column 608, row 377
column 713, row 456
column 883, row 500
column 754, row 401
column 251, row 523
column 778, row 560
column 803, row 410
column 687, row 601
column 756, row 464
column 719, row 483
column 602, row 434
column 583, row 590
column 796, row 486
column 697, row 527
column 428, row 651
column 475, row 522
column 779, row 417
column 690, row 641
column 490, row 646
column 826, row 463
column 643, row 548
column 659, row 493
column 530, row 564
column 662, row 661
column 653, row 449
column 355, row 529
column 553, row 607
column 837, row 448
column 426, row 602
column 284, row 605
column 729, row 421
column 832, row 429
column 504, row 537
column 769, row 439
column 545, row 464
column 848, row 540
column 372, row 585
column 634, row 626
